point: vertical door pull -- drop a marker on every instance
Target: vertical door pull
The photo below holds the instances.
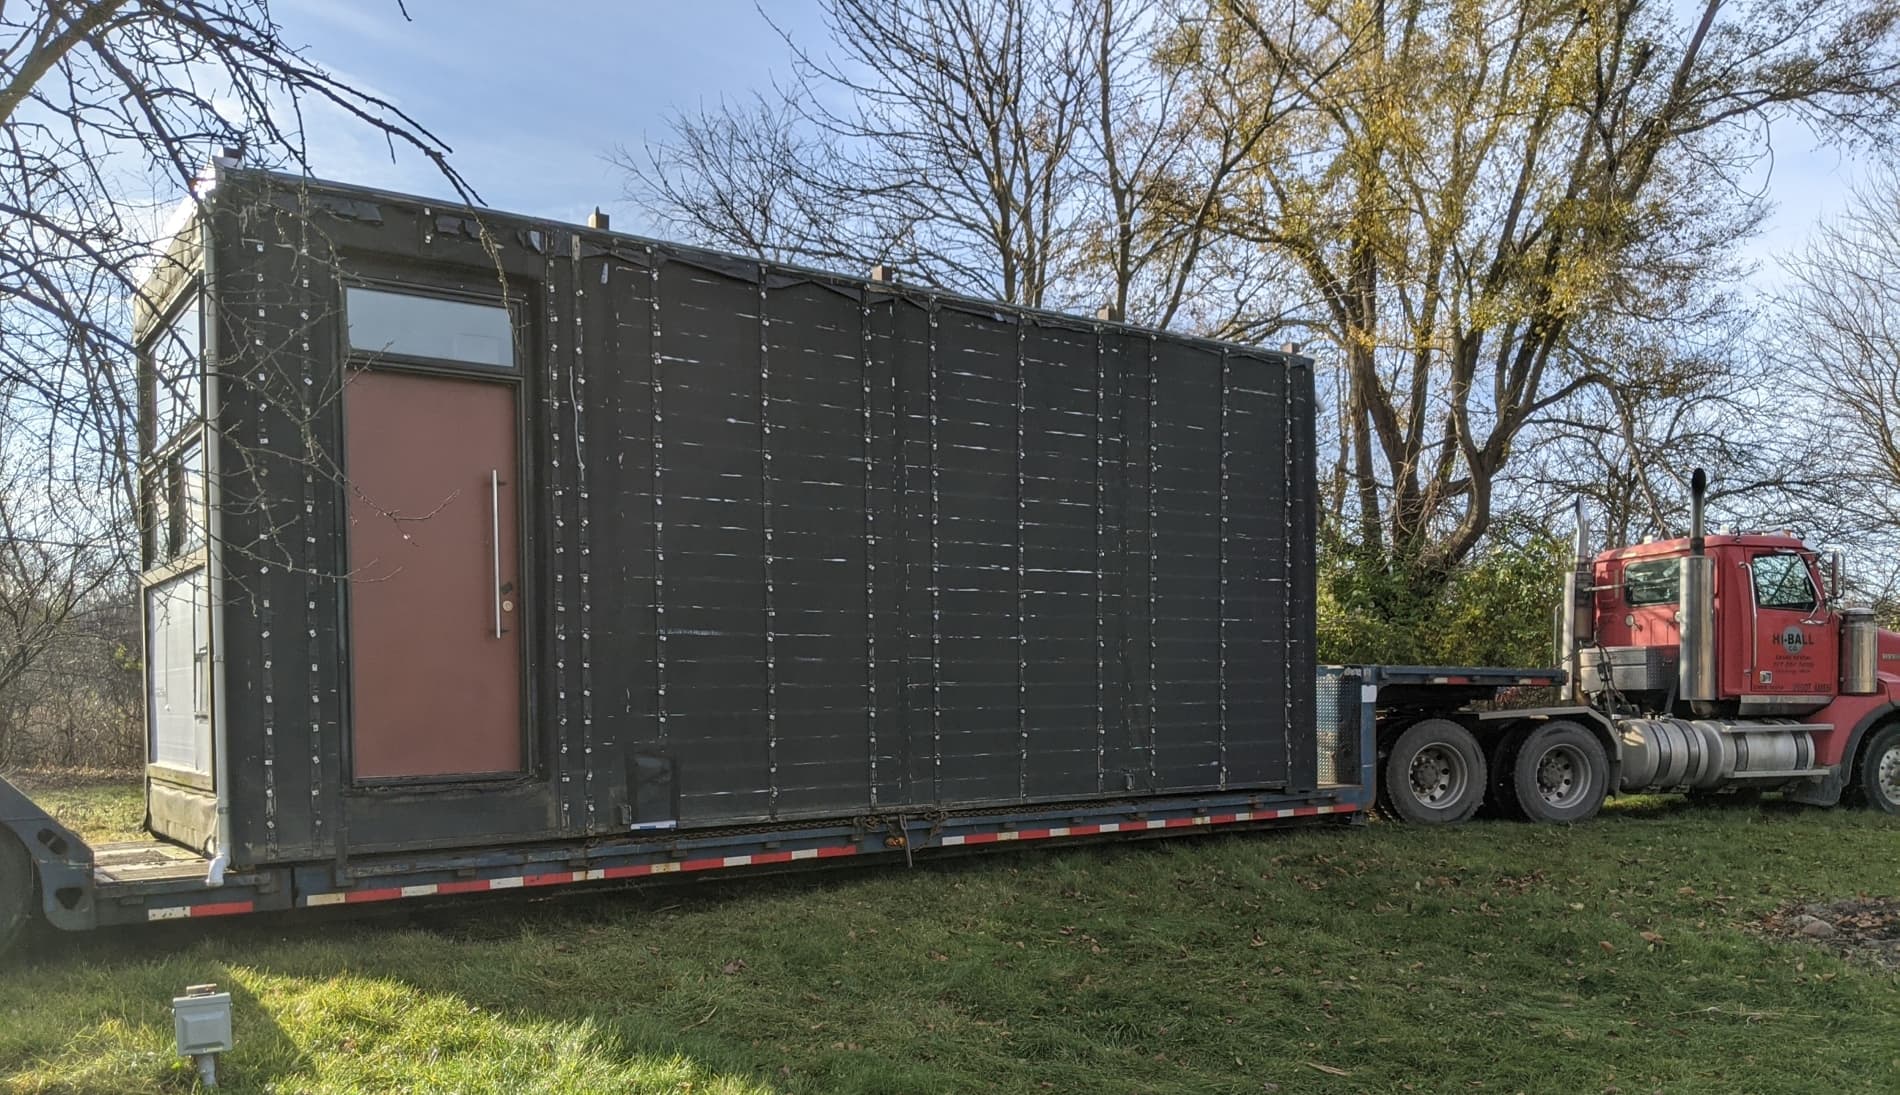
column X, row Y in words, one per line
column 494, row 516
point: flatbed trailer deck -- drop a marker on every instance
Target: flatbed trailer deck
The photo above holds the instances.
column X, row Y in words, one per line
column 123, row 883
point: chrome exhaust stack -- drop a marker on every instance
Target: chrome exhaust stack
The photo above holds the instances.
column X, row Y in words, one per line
column 1695, row 615
column 1578, row 629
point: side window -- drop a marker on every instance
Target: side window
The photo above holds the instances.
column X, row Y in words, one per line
column 175, row 504
column 433, row 328
column 1652, row 583
column 173, row 481
column 174, row 372
column 1782, row 581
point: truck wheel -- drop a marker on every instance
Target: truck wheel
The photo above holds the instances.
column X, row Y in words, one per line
column 16, row 891
column 1435, row 774
column 1877, row 782
column 1560, row 773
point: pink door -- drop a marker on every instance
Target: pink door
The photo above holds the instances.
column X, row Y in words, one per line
column 434, row 586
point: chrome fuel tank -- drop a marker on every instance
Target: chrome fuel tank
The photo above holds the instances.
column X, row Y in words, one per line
column 1666, row 754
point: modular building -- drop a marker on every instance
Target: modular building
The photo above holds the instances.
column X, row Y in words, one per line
column 467, row 529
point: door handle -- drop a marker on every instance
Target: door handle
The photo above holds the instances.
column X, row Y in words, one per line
column 494, row 526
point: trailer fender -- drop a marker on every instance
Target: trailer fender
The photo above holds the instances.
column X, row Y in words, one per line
column 61, row 859
column 1826, row 790
column 1598, row 723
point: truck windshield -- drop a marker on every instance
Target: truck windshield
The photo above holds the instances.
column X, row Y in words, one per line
column 1651, row 583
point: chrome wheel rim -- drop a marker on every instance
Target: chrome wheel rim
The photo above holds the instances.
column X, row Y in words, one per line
column 1887, row 774
column 1439, row 775
column 1563, row 777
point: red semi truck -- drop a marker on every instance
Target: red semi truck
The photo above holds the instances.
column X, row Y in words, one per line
column 1704, row 665
column 811, row 568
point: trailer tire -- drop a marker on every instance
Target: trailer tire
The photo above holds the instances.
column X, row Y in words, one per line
column 1560, row 773
column 1500, row 801
column 1435, row 774
column 1877, row 777
column 17, row 891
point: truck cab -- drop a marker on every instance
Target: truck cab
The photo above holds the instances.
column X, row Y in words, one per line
column 1777, row 636
column 1764, row 655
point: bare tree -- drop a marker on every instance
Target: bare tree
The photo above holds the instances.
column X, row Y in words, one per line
column 102, row 102
column 1043, row 152
column 938, row 137
column 1467, row 188
column 1839, row 325
column 108, row 111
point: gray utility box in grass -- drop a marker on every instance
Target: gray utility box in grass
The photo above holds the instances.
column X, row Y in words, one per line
column 508, row 530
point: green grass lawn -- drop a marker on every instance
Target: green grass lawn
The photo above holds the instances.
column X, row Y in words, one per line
column 99, row 806
column 1617, row 956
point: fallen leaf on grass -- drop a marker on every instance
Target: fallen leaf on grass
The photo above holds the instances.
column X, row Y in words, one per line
column 1328, row 1069
column 1651, row 937
column 733, row 967
column 1608, row 947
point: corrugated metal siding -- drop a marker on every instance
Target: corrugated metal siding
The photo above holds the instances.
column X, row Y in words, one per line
column 816, row 548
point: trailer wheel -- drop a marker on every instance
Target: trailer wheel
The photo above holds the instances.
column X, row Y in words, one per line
column 1877, row 781
column 1560, row 773
column 1435, row 774
column 16, row 891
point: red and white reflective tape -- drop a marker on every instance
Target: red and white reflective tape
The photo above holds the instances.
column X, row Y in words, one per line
column 210, row 908
column 562, row 878
column 1152, row 823
column 759, row 859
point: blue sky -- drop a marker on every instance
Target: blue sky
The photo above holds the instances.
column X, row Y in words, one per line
column 532, row 104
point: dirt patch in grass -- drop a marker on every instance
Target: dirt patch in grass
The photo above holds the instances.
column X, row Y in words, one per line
column 1865, row 929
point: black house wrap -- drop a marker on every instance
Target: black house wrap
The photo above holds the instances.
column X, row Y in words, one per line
column 792, row 544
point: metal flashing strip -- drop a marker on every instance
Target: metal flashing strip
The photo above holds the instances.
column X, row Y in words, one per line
column 760, row 859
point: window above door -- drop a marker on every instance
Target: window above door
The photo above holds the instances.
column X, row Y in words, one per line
column 386, row 323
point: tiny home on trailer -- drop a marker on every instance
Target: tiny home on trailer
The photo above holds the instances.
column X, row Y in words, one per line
column 474, row 541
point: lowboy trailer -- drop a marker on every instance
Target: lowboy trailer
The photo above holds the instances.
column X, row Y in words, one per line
column 486, row 553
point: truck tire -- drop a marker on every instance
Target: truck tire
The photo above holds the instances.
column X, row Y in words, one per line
column 1877, row 779
column 1500, row 800
column 17, row 904
column 1434, row 775
column 1560, row 773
